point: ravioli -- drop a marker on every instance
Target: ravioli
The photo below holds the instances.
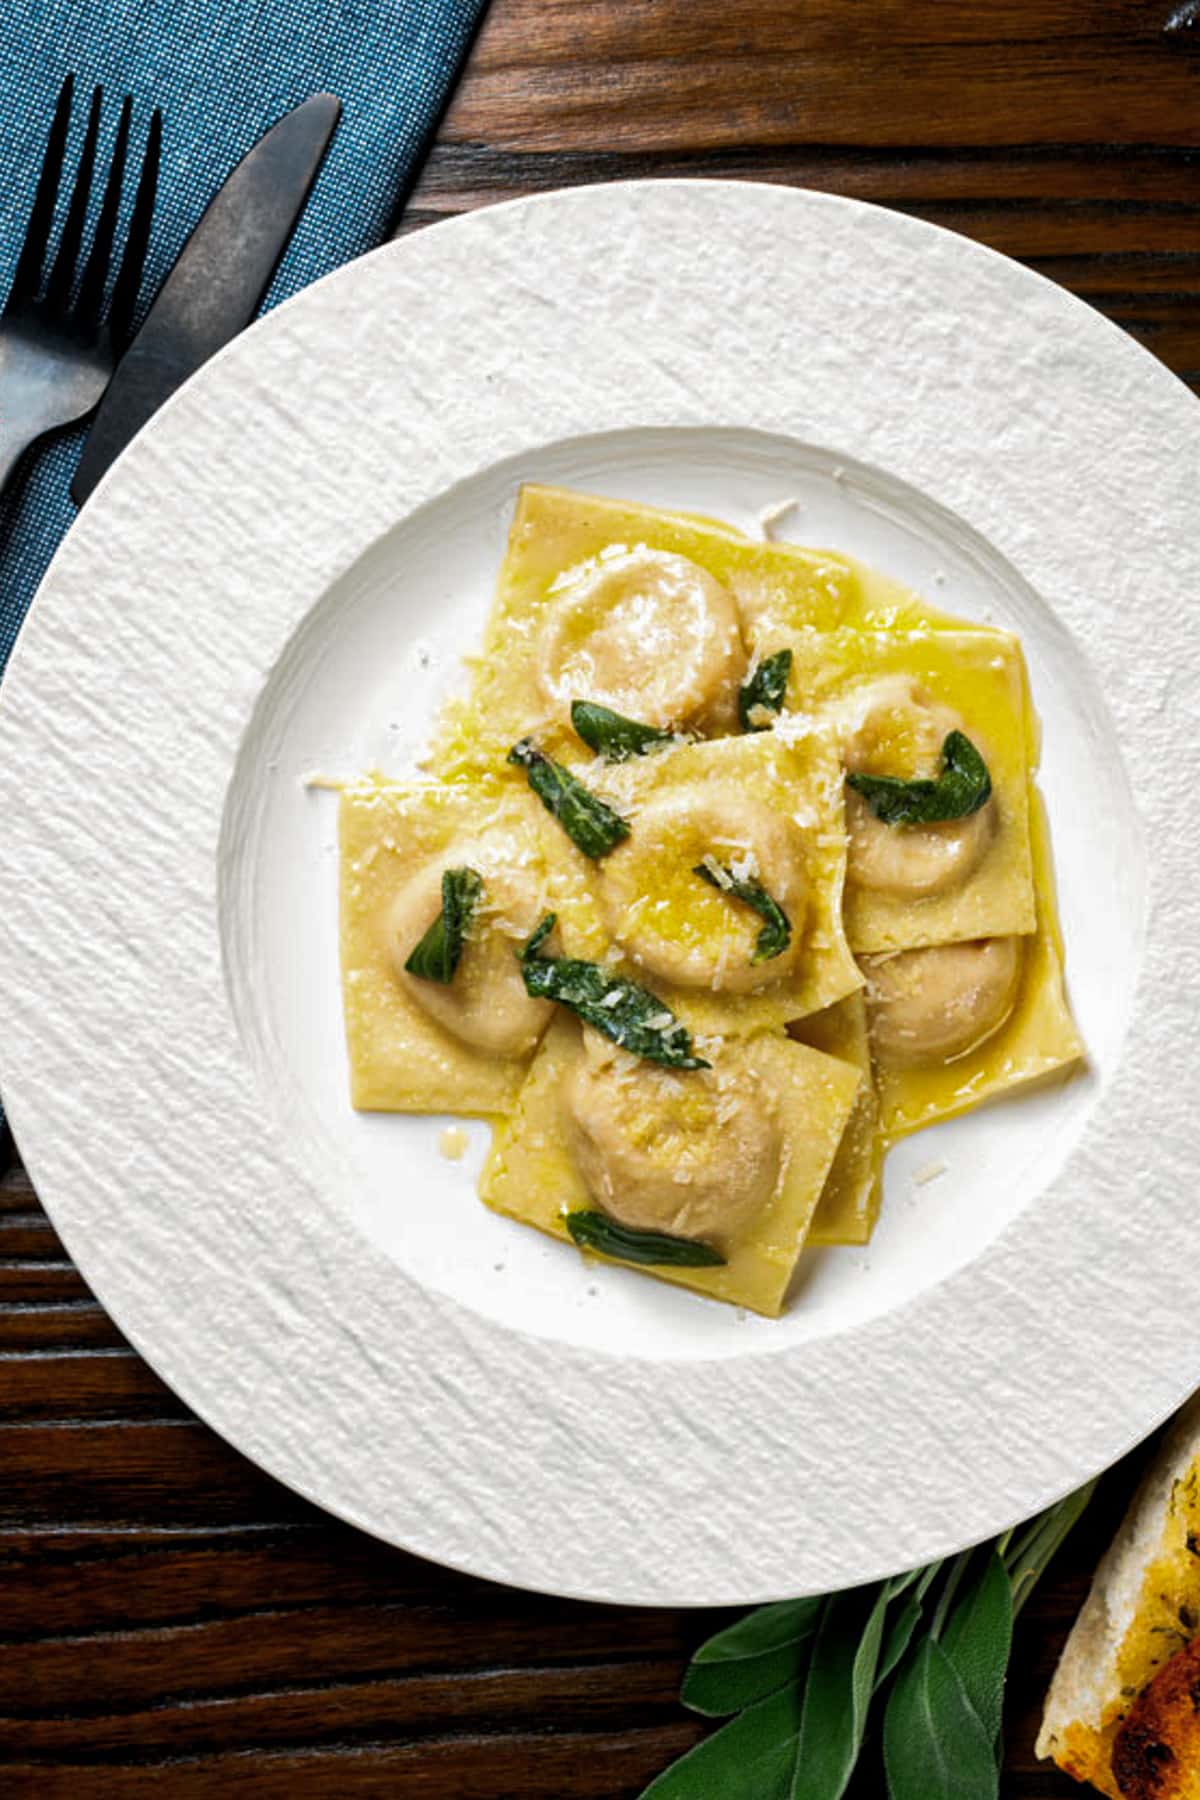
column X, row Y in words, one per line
column 532, row 1176
column 974, row 680
column 1037, row 1040
column 402, row 1058
column 746, row 804
column 849, row 1203
column 563, row 543
column 843, row 978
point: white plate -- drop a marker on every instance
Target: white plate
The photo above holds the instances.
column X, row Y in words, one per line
column 277, row 579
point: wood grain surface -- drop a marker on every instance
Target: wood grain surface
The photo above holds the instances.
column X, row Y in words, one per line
column 173, row 1622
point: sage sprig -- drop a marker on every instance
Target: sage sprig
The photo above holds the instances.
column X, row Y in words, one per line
column 588, row 821
column 629, row 1015
column 763, row 693
column 776, row 933
column 613, row 736
column 902, row 1681
column 961, row 788
column 436, row 957
column 596, row 1231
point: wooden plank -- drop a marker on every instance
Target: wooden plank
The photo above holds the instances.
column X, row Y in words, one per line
column 63, row 1585
column 461, row 175
column 557, row 31
column 55, row 1325
column 503, row 1767
column 612, row 1696
column 34, row 1280
column 107, row 1671
column 26, row 1233
column 108, row 1383
column 531, row 87
column 158, row 1473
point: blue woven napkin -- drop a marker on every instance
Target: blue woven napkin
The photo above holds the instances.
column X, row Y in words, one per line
column 222, row 71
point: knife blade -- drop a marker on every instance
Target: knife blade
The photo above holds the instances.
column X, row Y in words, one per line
column 217, row 282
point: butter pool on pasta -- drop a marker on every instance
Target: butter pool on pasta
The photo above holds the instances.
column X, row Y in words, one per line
column 729, row 870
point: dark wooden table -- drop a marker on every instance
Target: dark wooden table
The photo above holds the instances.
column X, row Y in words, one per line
column 173, row 1622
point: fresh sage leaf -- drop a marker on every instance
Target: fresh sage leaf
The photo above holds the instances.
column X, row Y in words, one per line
column 718, row 1689
column 978, row 1640
column 837, row 1693
column 596, row 1231
column 764, row 691
column 768, row 1628
column 900, row 1584
column 437, row 956
column 751, row 1658
column 935, row 1746
column 630, row 1015
column 613, row 736
column 962, row 787
column 899, row 1637
column 589, row 823
column 776, row 933
column 750, row 1758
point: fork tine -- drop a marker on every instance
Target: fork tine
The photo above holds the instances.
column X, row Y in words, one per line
column 137, row 238
column 28, row 276
column 89, row 306
column 62, row 275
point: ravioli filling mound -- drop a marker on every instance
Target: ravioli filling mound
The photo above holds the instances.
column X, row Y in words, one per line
column 932, row 1005
column 486, row 1003
column 649, row 634
column 690, row 928
column 694, row 1155
column 900, row 731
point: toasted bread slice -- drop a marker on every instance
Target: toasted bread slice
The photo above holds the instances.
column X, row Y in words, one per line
column 1156, row 1755
column 1143, row 1607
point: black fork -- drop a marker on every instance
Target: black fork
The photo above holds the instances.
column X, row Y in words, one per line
column 61, row 332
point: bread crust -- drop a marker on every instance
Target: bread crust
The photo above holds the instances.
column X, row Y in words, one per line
column 1156, row 1753
column 1143, row 1606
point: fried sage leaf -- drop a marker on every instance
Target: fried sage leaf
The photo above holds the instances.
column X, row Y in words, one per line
column 436, row 957
column 596, row 1231
column 962, row 787
column 776, row 933
column 764, row 691
column 630, row 1015
column 613, row 736
column 591, row 825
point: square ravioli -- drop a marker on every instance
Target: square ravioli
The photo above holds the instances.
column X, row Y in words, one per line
column 891, row 700
column 637, row 1120
column 721, row 832
column 395, row 842
column 641, row 610
column 849, row 1204
column 1037, row 1039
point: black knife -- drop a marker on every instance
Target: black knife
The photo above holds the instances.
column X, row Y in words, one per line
column 218, row 281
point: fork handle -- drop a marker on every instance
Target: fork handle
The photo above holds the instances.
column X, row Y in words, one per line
column 15, row 440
